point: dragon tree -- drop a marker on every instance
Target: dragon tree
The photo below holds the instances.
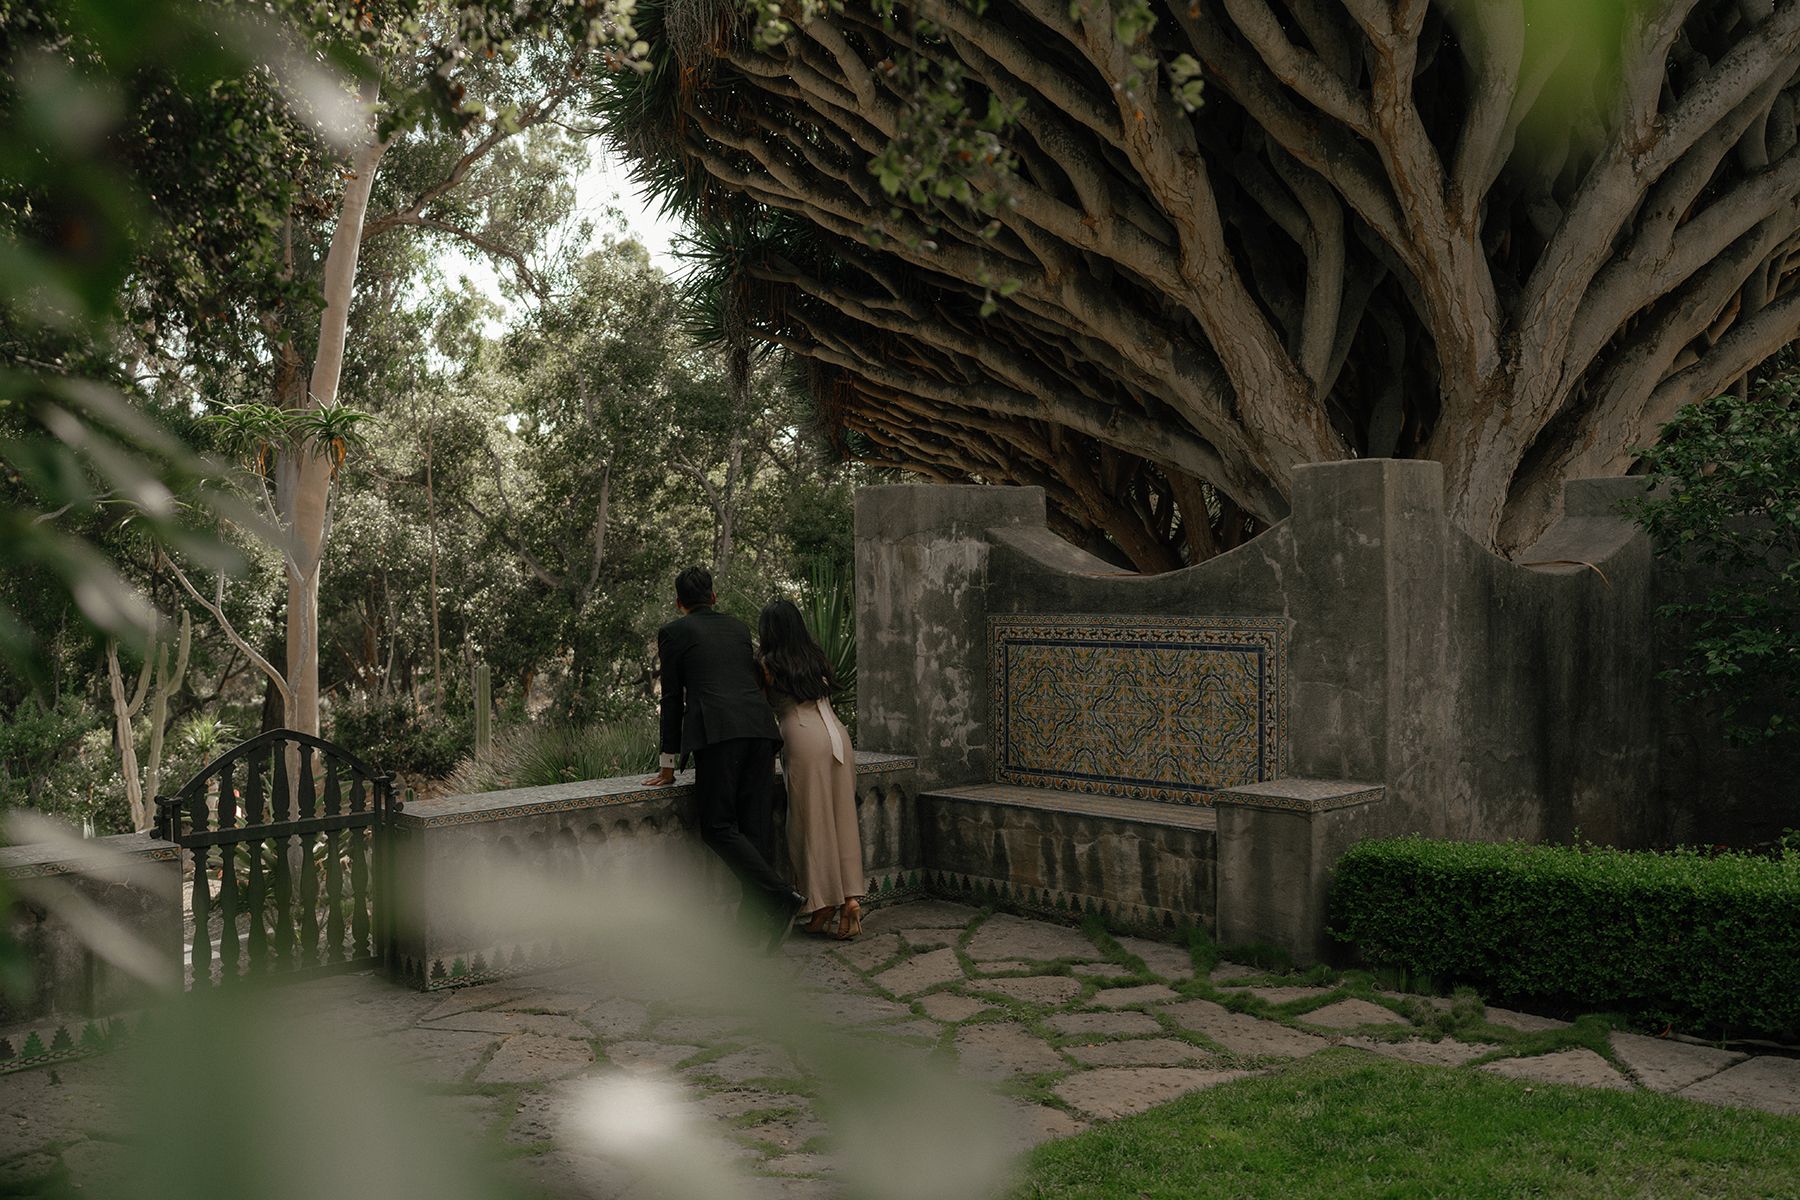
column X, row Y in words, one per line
column 1154, row 255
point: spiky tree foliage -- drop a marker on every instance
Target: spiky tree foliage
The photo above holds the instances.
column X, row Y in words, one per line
column 1153, row 256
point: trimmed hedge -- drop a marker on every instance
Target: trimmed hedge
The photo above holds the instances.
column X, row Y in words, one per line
column 1709, row 942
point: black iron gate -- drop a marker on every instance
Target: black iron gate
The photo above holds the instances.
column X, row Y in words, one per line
column 291, row 862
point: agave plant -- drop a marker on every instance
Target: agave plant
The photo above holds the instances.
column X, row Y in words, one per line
column 249, row 431
column 252, row 431
column 829, row 606
column 334, row 428
column 205, row 736
column 536, row 755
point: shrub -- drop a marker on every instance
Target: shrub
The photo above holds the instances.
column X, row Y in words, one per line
column 59, row 759
column 538, row 755
column 392, row 735
column 1710, row 942
column 1729, row 509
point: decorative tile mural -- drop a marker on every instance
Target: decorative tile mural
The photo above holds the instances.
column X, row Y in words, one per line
column 1150, row 708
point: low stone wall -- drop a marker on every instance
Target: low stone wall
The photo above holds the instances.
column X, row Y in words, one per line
column 133, row 880
column 610, row 828
column 1138, row 865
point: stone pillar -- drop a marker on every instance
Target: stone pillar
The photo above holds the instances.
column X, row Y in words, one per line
column 921, row 621
column 1278, row 845
column 1352, row 522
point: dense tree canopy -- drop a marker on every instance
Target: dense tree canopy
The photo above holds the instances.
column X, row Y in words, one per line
column 203, row 282
column 1154, row 255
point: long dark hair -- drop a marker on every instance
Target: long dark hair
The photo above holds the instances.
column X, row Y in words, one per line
column 795, row 664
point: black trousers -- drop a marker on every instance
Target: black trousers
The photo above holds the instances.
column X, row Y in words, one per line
column 734, row 782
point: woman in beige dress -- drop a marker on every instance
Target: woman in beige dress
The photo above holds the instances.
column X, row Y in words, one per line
column 820, row 769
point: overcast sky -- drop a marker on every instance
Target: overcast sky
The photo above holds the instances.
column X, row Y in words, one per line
column 602, row 188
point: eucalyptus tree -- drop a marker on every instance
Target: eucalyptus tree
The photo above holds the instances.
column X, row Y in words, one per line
column 1155, row 255
column 192, row 177
column 404, row 178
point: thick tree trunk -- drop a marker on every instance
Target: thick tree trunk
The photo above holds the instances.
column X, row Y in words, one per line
column 1464, row 230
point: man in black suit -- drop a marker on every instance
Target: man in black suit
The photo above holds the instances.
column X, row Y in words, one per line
column 713, row 708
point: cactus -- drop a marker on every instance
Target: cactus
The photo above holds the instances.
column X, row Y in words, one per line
column 484, row 711
column 168, row 682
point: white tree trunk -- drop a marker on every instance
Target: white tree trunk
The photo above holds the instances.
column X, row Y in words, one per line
column 303, row 486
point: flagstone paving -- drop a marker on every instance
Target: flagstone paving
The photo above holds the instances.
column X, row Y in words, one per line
column 1065, row 1029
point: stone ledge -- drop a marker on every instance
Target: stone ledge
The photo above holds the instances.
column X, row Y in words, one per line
column 1300, row 795
column 1148, row 812
column 38, row 859
column 511, row 803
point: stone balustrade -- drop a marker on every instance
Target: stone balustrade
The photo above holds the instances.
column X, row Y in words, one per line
column 584, row 831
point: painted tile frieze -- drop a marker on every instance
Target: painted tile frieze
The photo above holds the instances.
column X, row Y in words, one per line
column 1149, row 708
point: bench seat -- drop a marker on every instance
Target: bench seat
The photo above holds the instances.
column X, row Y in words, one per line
column 1141, row 863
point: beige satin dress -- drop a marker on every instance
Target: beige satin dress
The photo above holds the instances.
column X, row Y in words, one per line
column 820, row 768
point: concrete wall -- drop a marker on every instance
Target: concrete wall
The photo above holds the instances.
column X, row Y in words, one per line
column 575, row 833
column 1492, row 699
column 921, row 631
column 134, row 880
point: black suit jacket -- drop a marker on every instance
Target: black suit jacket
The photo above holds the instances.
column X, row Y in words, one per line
column 709, row 683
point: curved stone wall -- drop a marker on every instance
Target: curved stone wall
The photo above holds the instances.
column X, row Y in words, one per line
column 1493, row 699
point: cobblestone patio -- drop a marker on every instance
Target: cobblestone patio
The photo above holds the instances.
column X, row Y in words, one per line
column 1065, row 1029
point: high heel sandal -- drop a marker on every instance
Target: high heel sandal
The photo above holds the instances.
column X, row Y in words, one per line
column 849, row 920
column 821, row 921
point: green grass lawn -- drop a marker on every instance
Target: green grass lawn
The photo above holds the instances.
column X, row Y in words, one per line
column 1346, row 1124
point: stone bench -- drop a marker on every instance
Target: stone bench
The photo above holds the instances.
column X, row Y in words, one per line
column 1140, row 864
column 1254, row 866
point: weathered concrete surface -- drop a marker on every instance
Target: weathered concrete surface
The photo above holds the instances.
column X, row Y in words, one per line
column 1006, row 937
column 591, row 830
column 1132, row 997
column 1174, row 963
column 1279, row 843
column 1766, row 1082
column 1140, row 1052
column 1445, row 1053
column 1353, row 1014
column 921, row 634
column 1104, row 1024
column 921, row 972
column 1665, row 1065
column 1003, row 1051
column 135, row 880
column 1523, row 1021
column 1144, row 863
column 1492, row 698
column 1121, row 1091
column 1039, row 989
column 1243, row 1034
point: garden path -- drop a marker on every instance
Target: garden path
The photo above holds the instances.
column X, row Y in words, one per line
column 1063, row 1027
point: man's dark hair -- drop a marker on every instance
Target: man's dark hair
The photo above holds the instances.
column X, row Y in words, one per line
column 694, row 587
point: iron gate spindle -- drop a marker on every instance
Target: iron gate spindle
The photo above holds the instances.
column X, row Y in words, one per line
column 285, row 933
